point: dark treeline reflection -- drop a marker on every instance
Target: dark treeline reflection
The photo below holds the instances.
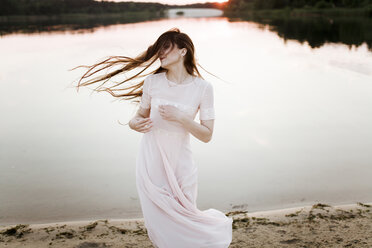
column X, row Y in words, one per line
column 28, row 16
column 57, row 7
column 246, row 5
column 36, row 24
column 316, row 31
column 320, row 30
column 50, row 7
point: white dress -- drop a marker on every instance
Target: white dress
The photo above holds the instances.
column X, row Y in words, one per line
column 166, row 175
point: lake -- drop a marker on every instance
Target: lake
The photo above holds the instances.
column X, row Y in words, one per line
column 293, row 117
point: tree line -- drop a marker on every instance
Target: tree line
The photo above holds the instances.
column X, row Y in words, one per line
column 52, row 7
column 241, row 5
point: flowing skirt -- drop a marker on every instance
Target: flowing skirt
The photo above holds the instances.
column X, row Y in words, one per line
column 166, row 180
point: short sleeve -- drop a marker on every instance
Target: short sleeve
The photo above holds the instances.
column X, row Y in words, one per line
column 207, row 104
column 146, row 96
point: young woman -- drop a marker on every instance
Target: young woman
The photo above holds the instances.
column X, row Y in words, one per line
column 166, row 175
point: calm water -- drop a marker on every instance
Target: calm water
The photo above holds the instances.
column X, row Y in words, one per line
column 293, row 121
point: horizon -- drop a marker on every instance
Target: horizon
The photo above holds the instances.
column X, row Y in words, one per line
column 172, row 2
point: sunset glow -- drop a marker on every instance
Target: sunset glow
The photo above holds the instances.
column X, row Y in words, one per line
column 219, row 1
column 174, row 2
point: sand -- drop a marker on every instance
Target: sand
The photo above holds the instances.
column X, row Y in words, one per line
column 319, row 225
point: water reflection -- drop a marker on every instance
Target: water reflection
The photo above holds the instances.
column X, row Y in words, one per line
column 78, row 22
column 197, row 12
column 317, row 31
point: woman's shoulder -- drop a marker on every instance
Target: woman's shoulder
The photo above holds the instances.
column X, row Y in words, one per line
column 204, row 83
column 150, row 79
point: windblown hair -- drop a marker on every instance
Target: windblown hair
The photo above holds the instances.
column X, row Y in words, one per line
column 145, row 59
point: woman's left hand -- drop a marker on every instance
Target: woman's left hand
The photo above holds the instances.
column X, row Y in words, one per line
column 171, row 113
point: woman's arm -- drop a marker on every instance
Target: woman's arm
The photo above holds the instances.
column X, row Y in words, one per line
column 202, row 131
column 140, row 120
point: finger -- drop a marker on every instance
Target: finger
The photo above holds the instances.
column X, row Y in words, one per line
column 148, row 129
column 145, row 129
column 140, row 121
column 147, row 121
column 142, row 130
column 146, row 124
column 144, row 120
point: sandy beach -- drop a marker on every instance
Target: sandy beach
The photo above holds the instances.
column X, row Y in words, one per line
column 319, row 225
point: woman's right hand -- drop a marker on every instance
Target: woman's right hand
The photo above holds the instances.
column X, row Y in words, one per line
column 142, row 125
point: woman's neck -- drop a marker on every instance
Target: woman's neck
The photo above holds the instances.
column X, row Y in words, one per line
column 179, row 77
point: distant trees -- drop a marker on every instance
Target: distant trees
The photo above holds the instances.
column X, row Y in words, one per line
column 51, row 7
column 272, row 4
column 242, row 5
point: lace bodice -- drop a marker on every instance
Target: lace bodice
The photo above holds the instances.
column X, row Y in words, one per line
column 189, row 98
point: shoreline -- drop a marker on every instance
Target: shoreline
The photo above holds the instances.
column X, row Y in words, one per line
column 303, row 12
column 318, row 225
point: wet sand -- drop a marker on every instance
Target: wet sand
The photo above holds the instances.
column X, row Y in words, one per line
column 319, row 225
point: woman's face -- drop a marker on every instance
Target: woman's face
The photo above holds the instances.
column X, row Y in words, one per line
column 170, row 55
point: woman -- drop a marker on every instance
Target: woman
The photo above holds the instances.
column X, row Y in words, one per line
column 166, row 175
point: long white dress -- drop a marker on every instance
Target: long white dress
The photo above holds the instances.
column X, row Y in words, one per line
column 166, row 175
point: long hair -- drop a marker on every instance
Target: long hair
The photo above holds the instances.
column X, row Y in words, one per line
column 145, row 59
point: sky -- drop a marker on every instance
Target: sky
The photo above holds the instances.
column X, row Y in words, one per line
column 178, row 2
